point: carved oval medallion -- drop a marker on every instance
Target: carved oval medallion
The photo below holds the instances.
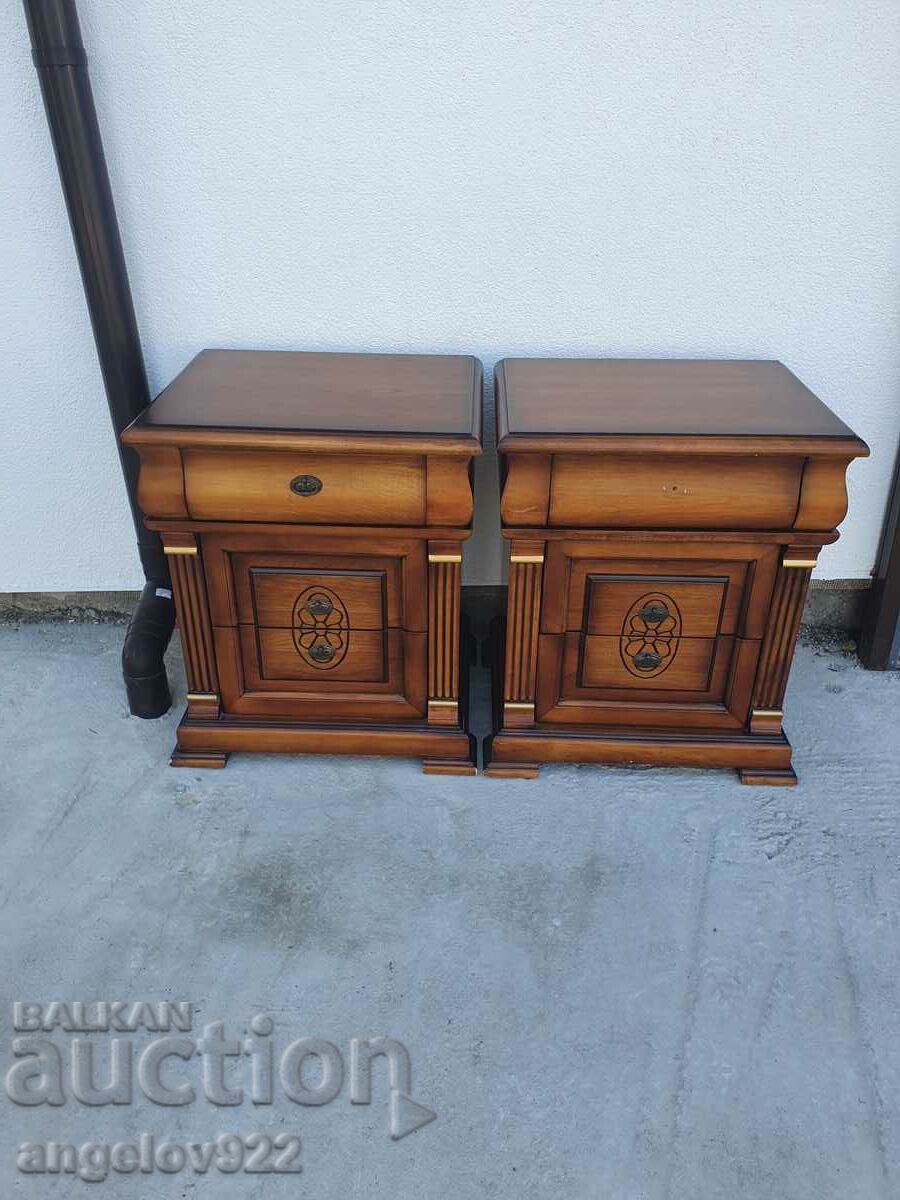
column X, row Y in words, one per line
column 651, row 635
column 320, row 627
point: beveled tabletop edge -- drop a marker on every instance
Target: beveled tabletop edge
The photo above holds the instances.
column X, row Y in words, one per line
column 140, row 432
column 848, row 445
column 680, row 443
column 236, row 438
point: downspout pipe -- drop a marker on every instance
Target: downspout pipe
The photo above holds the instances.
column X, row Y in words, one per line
column 61, row 63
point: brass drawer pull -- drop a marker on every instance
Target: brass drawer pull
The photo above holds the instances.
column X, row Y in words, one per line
column 654, row 612
column 319, row 606
column 322, row 652
column 647, row 660
column 306, row 485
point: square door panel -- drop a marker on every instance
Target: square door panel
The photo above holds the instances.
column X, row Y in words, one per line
column 317, row 627
column 651, row 633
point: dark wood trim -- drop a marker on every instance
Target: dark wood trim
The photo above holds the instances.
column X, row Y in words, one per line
column 678, row 537
column 431, row 742
column 623, row 443
column 741, row 751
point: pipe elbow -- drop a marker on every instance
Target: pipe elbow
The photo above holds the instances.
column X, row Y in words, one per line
column 143, row 652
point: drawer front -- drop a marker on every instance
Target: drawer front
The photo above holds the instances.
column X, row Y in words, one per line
column 665, row 491
column 268, row 580
column 646, row 662
column 615, row 588
column 319, row 653
column 282, row 596
column 310, row 489
column 584, row 681
column 670, row 606
column 380, row 677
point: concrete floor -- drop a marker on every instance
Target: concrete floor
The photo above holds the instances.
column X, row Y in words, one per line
column 612, row 982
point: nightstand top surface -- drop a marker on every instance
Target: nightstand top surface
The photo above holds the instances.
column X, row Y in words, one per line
column 403, row 396
column 553, row 400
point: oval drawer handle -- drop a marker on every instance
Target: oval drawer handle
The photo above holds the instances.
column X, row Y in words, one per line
column 319, row 606
column 646, row 660
column 654, row 612
column 306, row 485
column 322, row 652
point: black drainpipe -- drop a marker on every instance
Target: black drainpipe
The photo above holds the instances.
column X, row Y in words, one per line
column 66, row 87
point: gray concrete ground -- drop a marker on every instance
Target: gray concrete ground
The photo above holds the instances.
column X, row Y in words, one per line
column 612, row 982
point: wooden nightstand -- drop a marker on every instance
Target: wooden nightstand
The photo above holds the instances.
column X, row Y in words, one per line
column 664, row 519
column 313, row 508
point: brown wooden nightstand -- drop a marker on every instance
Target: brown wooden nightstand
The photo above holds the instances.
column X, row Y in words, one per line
column 313, row 508
column 664, row 518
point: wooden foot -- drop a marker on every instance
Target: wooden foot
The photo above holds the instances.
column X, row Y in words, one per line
column 198, row 758
column 445, row 766
column 768, row 778
column 512, row 770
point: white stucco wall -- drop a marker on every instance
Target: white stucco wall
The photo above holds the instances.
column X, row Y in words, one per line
column 610, row 177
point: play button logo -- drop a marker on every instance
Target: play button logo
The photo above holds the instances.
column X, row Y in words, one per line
column 407, row 1115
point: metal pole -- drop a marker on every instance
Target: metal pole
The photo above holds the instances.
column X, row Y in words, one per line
column 61, row 63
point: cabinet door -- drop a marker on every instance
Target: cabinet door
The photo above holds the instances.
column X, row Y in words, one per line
column 652, row 634
column 318, row 628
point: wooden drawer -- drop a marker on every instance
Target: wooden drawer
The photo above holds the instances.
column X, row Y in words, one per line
column 271, row 580
column 671, row 491
column 317, row 655
column 602, row 588
column 672, row 606
column 585, row 681
column 673, row 663
column 310, row 489
column 279, row 595
column 379, row 677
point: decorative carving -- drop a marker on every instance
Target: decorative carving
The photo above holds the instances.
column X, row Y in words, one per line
column 444, row 567
column 189, row 593
column 523, row 615
column 781, row 634
column 651, row 635
column 320, row 627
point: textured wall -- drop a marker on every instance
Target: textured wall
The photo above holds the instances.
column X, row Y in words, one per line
column 622, row 177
